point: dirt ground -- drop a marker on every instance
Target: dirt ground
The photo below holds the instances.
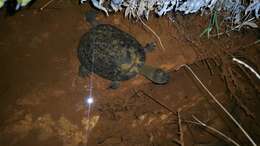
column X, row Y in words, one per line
column 42, row 98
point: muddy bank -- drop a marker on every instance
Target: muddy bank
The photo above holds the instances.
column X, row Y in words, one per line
column 42, row 97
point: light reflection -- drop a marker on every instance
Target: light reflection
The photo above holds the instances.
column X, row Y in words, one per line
column 89, row 100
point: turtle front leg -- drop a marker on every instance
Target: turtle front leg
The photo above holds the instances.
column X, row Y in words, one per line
column 114, row 85
column 149, row 47
column 83, row 71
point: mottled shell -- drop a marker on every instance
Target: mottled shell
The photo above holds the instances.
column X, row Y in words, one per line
column 111, row 53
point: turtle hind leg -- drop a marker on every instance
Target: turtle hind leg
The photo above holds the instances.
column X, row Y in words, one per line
column 83, row 71
column 114, row 85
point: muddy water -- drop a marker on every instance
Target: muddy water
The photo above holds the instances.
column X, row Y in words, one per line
column 42, row 97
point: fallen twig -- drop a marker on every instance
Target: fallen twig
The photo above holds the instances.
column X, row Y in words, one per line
column 180, row 129
column 221, row 106
column 198, row 122
column 46, row 4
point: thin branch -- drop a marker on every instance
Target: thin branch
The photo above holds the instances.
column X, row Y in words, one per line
column 247, row 66
column 154, row 100
column 46, row 4
column 180, row 129
column 221, row 106
column 198, row 122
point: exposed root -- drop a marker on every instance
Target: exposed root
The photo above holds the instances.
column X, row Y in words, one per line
column 200, row 123
column 247, row 66
column 181, row 141
column 209, row 66
column 221, row 106
column 234, row 86
column 154, row 100
column 243, row 107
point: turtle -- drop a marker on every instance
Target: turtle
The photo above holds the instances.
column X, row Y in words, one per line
column 115, row 55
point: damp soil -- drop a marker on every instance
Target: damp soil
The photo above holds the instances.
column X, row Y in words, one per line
column 42, row 98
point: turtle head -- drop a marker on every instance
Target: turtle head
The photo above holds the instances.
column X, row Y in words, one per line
column 159, row 76
column 156, row 75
